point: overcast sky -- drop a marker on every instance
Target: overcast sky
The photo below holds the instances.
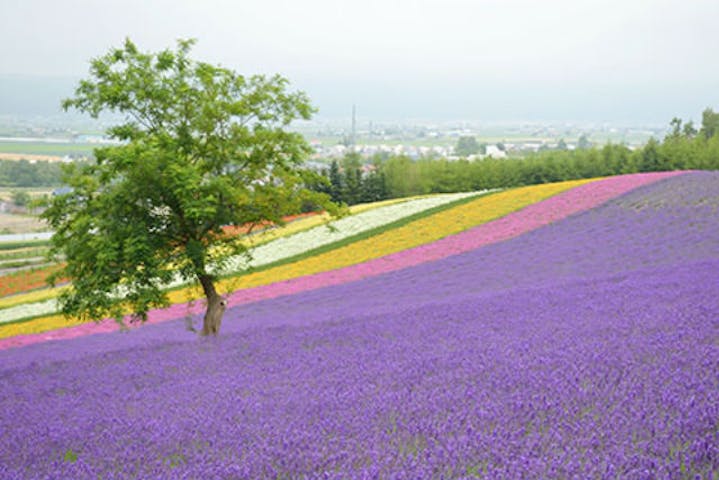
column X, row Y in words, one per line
column 483, row 60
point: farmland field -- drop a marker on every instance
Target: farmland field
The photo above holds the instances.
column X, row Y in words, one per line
column 46, row 148
column 573, row 336
column 14, row 223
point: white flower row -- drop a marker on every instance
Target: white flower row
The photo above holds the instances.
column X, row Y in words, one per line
column 286, row 247
column 17, row 312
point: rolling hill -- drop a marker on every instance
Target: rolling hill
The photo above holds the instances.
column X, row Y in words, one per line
column 547, row 332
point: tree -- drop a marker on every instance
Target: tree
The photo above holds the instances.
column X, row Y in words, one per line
column 374, row 186
column 466, row 146
column 201, row 148
column 583, row 142
column 21, row 198
column 650, row 160
column 689, row 130
column 710, row 123
column 352, row 178
column 676, row 124
column 335, row 179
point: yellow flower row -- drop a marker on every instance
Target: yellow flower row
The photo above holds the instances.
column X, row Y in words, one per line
column 426, row 230
column 260, row 238
column 38, row 325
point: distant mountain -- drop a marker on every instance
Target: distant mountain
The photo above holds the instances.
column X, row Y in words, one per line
column 32, row 95
column 412, row 99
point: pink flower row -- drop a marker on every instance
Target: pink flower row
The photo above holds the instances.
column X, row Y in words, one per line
column 556, row 208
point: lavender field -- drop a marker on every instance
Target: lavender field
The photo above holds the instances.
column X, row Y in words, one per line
column 588, row 348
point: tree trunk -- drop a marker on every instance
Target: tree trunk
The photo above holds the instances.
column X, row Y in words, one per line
column 215, row 307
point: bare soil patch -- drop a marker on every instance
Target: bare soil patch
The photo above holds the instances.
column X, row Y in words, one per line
column 10, row 223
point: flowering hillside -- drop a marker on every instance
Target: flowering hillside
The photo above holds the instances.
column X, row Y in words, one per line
column 385, row 251
column 576, row 337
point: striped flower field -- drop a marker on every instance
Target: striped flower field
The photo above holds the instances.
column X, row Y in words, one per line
column 17, row 289
column 557, row 331
column 269, row 247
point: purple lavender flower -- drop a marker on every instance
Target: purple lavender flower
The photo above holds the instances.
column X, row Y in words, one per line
column 585, row 349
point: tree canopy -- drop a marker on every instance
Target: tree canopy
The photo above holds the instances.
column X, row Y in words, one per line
column 710, row 123
column 201, row 148
column 466, row 146
column 399, row 176
column 23, row 173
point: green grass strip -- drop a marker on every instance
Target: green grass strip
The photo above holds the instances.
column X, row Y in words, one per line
column 22, row 263
column 346, row 241
column 46, row 148
column 24, row 253
column 328, row 247
column 360, row 236
column 23, row 244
